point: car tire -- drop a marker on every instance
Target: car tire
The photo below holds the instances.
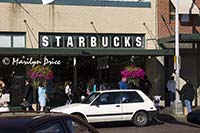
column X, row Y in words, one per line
column 81, row 117
column 140, row 119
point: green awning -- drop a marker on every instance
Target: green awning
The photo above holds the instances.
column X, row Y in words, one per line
column 183, row 38
column 83, row 52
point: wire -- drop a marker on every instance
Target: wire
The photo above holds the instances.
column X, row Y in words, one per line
column 169, row 28
column 99, row 40
column 151, row 35
column 29, row 35
column 30, row 15
column 31, row 31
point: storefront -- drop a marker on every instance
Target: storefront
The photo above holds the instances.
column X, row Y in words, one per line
column 90, row 38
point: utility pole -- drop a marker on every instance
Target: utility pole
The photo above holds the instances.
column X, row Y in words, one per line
column 178, row 107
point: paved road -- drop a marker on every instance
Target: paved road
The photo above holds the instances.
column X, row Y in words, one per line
column 169, row 125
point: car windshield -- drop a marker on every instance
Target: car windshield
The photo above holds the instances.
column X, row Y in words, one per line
column 90, row 98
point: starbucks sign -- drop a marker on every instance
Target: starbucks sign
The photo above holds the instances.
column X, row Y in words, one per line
column 83, row 40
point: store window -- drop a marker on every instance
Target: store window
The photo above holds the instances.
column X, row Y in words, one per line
column 5, row 41
column 8, row 40
column 185, row 18
column 19, row 41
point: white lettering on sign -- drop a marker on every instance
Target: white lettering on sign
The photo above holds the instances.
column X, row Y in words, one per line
column 81, row 42
column 93, row 41
column 45, row 42
column 105, row 41
column 116, row 41
column 127, row 41
column 70, row 42
column 138, row 41
column 58, row 41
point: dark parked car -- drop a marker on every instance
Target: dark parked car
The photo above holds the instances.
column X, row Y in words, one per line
column 33, row 122
column 194, row 117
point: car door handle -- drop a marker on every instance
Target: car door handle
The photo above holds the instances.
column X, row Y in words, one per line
column 117, row 105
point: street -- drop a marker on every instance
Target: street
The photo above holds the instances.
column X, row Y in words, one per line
column 169, row 125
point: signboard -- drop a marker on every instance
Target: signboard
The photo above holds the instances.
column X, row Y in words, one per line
column 81, row 40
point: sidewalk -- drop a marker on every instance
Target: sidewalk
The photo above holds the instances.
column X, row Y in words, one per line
column 167, row 113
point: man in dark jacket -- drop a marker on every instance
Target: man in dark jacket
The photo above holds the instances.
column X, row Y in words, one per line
column 187, row 93
column 28, row 94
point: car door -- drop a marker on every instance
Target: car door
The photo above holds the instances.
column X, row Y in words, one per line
column 106, row 108
column 131, row 102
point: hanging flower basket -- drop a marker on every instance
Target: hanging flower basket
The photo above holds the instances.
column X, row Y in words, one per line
column 133, row 74
column 40, row 73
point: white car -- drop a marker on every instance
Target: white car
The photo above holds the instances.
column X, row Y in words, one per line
column 113, row 105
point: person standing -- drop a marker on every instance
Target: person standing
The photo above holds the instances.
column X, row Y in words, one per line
column 145, row 85
column 171, row 86
column 92, row 87
column 123, row 84
column 42, row 95
column 187, row 93
column 68, row 92
column 28, row 94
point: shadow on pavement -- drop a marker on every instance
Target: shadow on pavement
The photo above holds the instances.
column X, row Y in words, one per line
column 160, row 120
column 166, row 118
column 112, row 124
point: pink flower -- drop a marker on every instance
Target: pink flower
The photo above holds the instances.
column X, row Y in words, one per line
column 39, row 72
column 133, row 71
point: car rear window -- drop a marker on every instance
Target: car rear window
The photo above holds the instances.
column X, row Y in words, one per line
column 131, row 97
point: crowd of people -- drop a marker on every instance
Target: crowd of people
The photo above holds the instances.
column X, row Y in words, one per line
column 186, row 94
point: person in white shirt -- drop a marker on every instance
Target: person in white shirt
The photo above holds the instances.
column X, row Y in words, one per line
column 68, row 92
column 171, row 86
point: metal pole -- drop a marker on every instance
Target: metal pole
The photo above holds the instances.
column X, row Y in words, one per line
column 75, row 89
column 177, row 104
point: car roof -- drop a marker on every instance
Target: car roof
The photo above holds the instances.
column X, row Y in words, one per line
column 23, row 120
column 119, row 90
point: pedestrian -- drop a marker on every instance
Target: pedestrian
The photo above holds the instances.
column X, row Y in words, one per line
column 171, row 86
column 187, row 94
column 123, row 84
column 145, row 85
column 91, row 87
column 102, row 85
column 42, row 96
column 28, row 94
column 68, row 92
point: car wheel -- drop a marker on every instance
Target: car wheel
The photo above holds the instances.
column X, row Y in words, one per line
column 81, row 117
column 140, row 119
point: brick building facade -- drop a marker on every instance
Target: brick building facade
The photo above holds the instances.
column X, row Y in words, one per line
column 166, row 27
column 189, row 26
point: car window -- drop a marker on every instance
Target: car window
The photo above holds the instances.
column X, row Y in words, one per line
column 109, row 98
column 55, row 127
column 90, row 98
column 76, row 126
column 131, row 97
